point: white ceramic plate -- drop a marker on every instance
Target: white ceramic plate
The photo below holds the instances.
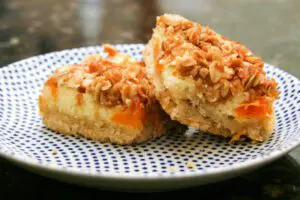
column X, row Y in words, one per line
column 159, row 164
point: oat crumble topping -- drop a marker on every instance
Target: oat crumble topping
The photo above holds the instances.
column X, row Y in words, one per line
column 220, row 67
column 116, row 79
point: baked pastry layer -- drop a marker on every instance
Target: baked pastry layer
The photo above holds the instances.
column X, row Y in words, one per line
column 106, row 99
column 206, row 81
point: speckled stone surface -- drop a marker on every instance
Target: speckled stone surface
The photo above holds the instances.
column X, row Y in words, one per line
column 271, row 28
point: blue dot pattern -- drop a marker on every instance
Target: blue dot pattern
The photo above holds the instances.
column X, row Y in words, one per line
column 24, row 137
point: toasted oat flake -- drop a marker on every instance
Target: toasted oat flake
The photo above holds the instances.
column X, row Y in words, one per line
column 190, row 164
column 54, row 151
column 172, row 169
column 190, row 132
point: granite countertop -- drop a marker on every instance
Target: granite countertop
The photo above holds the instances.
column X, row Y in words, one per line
column 271, row 28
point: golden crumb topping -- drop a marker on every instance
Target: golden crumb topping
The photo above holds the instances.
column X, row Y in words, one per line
column 114, row 80
column 220, row 67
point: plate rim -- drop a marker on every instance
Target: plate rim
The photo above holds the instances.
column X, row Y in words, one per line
column 85, row 172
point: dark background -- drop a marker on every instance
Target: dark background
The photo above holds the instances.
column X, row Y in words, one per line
column 271, row 28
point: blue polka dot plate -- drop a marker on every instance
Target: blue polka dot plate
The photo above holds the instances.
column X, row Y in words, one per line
column 173, row 161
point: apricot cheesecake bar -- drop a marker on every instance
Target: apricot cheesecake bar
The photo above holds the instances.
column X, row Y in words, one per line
column 205, row 80
column 106, row 99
